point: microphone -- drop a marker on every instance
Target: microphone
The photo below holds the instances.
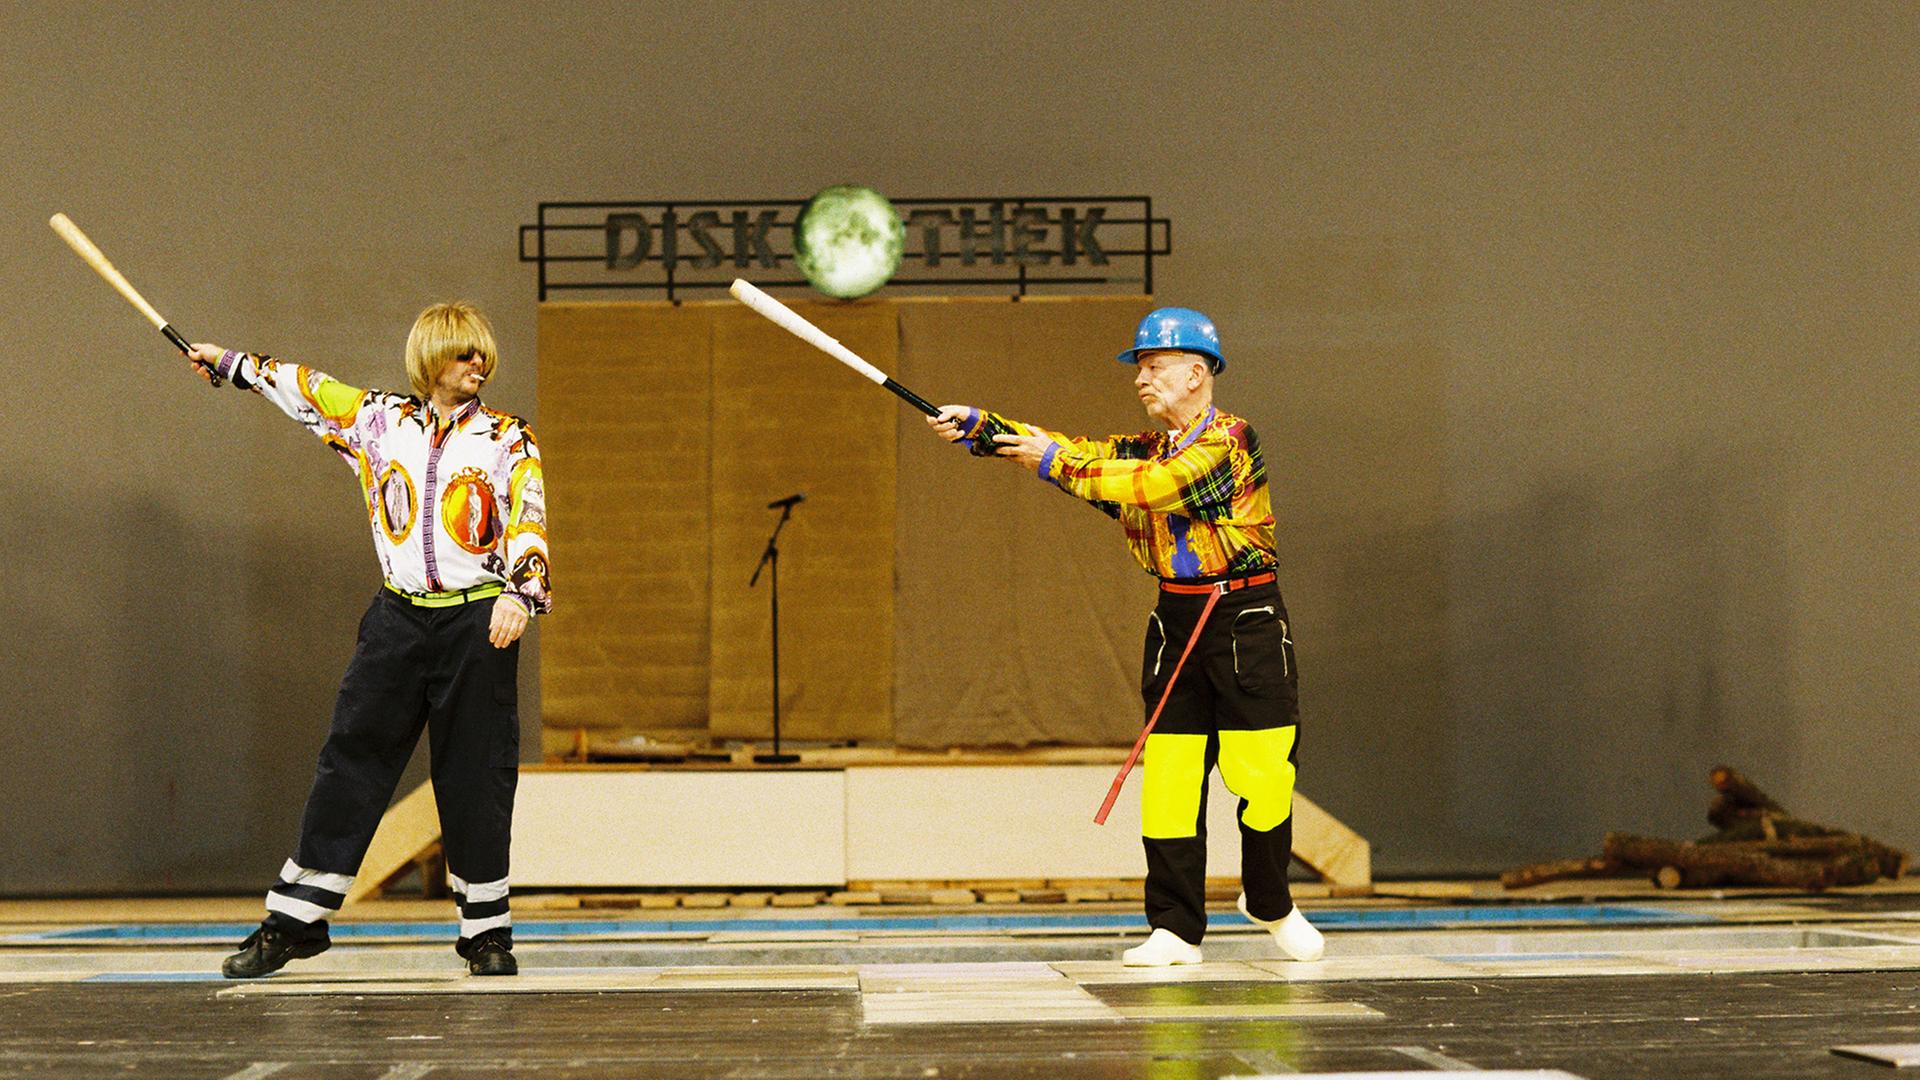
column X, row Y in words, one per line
column 786, row 503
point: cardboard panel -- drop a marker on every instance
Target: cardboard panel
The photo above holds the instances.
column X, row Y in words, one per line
column 1021, row 612
column 786, row 419
column 624, row 398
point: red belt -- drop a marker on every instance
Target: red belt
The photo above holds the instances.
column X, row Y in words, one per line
column 1228, row 585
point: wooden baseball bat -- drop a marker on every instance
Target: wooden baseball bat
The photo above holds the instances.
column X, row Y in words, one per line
column 794, row 323
column 982, row 444
column 85, row 248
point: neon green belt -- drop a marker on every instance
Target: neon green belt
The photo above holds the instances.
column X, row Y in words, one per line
column 448, row 599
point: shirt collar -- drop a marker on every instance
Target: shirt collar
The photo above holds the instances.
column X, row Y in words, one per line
column 460, row 416
column 1180, row 440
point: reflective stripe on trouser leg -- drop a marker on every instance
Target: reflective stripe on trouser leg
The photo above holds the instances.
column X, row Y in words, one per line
column 307, row 896
column 1259, row 767
column 1173, row 802
column 483, row 905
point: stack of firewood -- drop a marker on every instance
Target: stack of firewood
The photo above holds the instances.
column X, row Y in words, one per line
column 1756, row 843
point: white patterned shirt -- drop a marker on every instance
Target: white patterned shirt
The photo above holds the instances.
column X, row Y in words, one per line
column 453, row 506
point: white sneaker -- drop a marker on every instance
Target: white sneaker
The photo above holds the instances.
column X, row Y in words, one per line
column 1297, row 938
column 1163, row 948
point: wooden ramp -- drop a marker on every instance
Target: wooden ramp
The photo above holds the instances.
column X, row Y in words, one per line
column 409, row 836
column 1341, row 857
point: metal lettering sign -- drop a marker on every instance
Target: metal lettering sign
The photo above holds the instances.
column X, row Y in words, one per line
column 1017, row 244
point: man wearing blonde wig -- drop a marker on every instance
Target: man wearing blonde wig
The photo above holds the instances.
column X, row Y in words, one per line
column 454, row 495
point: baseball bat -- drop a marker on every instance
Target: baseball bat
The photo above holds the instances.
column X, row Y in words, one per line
column 792, row 322
column 85, row 248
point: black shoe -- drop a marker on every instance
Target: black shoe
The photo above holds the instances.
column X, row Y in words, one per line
column 267, row 950
column 491, row 953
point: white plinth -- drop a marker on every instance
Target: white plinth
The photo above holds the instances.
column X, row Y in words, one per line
column 685, row 829
column 864, row 823
column 970, row 822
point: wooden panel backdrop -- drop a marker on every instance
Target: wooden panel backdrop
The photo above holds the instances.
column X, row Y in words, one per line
column 624, row 399
column 1020, row 611
column 786, row 419
column 668, row 428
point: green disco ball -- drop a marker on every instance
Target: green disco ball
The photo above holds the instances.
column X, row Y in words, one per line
column 847, row 241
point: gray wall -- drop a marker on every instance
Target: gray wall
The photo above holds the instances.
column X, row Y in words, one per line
column 1581, row 340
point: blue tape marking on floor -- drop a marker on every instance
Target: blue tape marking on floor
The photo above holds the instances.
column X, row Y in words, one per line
column 156, row 976
column 1585, row 914
column 554, row 930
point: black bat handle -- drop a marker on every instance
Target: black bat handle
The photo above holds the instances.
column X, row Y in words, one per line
column 982, row 442
column 187, row 350
column 911, row 398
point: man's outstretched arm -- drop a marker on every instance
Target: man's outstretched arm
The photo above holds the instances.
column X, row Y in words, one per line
column 319, row 402
column 1196, row 477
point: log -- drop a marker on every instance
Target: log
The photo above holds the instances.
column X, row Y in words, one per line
column 1727, row 812
column 1756, row 843
column 1727, row 864
column 1794, row 837
column 1743, row 792
column 1861, row 868
column 1813, row 847
column 1748, row 825
column 1843, row 848
column 1559, row 870
column 1644, row 852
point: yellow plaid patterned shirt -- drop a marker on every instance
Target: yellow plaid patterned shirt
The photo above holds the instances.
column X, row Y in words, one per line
column 1194, row 502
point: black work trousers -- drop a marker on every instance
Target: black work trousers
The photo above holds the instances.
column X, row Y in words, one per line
column 1235, row 705
column 414, row 668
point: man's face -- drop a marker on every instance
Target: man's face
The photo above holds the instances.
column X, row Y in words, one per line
column 460, row 380
column 1166, row 379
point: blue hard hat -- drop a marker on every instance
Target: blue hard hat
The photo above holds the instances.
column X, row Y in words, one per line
column 1176, row 328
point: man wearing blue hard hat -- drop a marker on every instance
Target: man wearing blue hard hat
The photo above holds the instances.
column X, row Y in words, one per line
column 1218, row 674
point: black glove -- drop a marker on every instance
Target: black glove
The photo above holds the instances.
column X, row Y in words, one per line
column 982, row 441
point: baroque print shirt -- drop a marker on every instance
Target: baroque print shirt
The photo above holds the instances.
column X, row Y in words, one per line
column 1194, row 502
column 453, row 506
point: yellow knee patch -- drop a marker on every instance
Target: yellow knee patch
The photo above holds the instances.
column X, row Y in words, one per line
column 1176, row 770
column 1255, row 767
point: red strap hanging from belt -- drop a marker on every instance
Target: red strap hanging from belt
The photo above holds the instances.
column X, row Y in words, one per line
column 1113, row 793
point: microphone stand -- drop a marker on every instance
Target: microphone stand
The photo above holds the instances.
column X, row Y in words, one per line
column 770, row 561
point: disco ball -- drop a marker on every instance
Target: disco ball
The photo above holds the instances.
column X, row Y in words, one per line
column 847, row 241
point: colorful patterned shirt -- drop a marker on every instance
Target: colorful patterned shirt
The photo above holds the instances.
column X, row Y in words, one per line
column 1194, row 502
column 453, row 507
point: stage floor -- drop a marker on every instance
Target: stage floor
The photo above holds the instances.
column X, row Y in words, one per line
column 1647, row 987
